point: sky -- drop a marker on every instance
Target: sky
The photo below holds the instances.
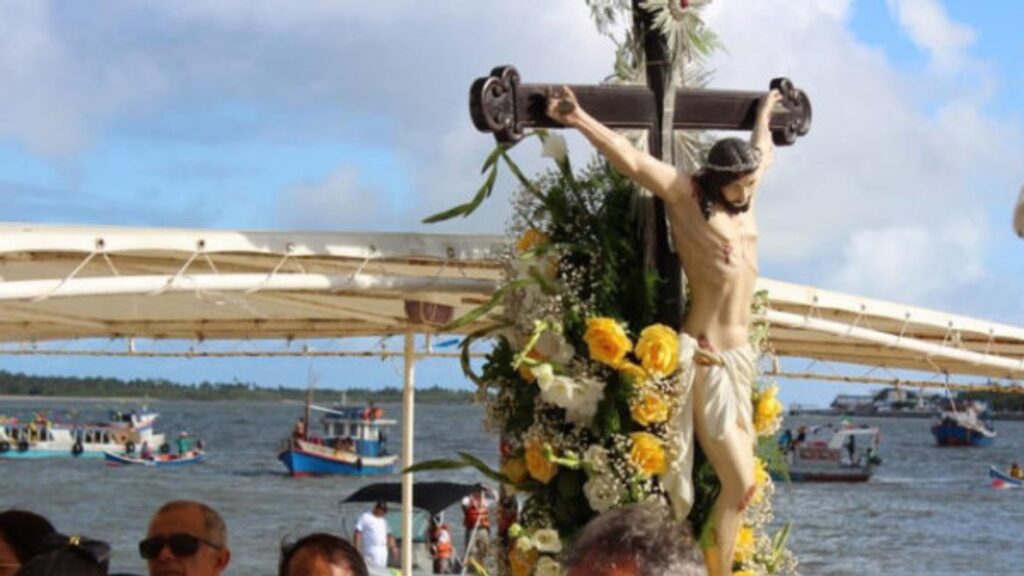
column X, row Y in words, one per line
column 353, row 116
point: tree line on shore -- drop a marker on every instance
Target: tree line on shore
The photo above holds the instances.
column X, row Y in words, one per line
column 19, row 384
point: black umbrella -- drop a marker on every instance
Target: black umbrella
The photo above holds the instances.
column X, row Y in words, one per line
column 433, row 497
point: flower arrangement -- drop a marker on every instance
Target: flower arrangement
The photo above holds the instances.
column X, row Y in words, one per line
column 582, row 384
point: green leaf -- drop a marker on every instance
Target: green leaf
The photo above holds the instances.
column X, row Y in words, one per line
column 486, row 307
column 546, row 285
column 494, row 155
column 467, row 208
column 484, row 468
column 464, row 359
column 440, row 464
column 514, row 168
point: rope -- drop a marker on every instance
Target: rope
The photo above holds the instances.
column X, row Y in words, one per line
column 181, row 271
column 68, row 278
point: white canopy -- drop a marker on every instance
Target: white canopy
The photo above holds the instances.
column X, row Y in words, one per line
column 64, row 282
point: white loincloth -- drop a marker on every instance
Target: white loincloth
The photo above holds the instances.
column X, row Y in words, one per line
column 727, row 402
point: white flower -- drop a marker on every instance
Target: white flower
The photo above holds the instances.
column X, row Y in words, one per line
column 544, row 373
column 555, row 347
column 547, row 566
column 596, row 457
column 524, row 543
column 579, row 398
column 554, row 147
column 590, row 394
column 547, row 540
column 603, row 492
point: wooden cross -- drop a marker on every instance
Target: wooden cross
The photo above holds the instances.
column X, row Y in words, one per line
column 502, row 105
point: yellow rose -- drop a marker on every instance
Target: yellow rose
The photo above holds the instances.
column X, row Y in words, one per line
column 539, row 467
column 743, row 573
column 767, row 411
column 649, row 408
column 744, row 545
column 531, row 239
column 521, row 562
column 658, row 350
column 515, row 469
column 632, row 373
column 647, row 453
column 761, row 479
column 607, row 341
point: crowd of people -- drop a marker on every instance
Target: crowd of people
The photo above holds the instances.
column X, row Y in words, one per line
column 184, row 538
column 189, row 538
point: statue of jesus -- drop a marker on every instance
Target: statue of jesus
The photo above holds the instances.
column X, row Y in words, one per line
column 712, row 221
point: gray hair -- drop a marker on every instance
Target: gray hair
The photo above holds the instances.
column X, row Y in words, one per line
column 644, row 533
column 216, row 530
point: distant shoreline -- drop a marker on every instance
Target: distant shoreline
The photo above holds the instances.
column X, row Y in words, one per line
column 828, row 413
column 138, row 399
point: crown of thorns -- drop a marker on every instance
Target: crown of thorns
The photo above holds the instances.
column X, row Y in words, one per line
column 742, row 166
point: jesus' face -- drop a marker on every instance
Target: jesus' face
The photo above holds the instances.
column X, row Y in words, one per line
column 740, row 192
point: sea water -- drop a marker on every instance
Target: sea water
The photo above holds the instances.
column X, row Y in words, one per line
column 927, row 510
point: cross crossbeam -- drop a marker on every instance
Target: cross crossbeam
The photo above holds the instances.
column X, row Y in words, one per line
column 500, row 104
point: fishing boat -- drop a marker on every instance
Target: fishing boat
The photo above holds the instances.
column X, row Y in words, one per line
column 353, row 443
column 1001, row 479
column 849, row 455
column 962, row 424
column 158, row 460
column 40, row 438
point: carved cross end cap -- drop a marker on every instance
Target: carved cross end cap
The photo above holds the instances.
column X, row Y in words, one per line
column 492, row 104
column 798, row 119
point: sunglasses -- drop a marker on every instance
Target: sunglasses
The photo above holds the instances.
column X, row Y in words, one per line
column 180, row 544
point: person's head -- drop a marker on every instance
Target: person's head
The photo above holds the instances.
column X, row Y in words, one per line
column 636, row 540
column 69, row 556
column 380, row 508
column 728, row 177
column 22, row 536
column 186, row 538
column 321, row 554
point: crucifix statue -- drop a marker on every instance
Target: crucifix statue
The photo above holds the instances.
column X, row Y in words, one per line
column 711, row 225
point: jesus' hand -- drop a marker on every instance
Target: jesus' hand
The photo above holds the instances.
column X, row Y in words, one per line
column 562, row 106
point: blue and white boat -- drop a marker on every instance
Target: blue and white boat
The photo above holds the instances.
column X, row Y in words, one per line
column 354, row 443
column 963, row 427
column 1001, row 479
column 40, row 438
column 158, row 460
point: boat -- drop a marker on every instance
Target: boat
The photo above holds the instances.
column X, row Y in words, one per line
column 962, row 424
column 1001, row 479
column 353, row 443
column 158, row 460
column 849, row 455
column 40, row 438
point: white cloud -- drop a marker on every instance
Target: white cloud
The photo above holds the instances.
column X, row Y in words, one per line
column 888, row 165
column 928, row 26
column 341, row 201
column 912, row 263
column 889, row 149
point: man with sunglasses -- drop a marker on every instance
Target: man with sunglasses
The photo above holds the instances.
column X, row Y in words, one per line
column 186, row 538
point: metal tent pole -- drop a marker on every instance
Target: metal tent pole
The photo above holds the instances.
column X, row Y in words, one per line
column 408, row 429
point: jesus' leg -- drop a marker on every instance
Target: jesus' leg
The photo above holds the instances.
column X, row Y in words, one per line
column 732, row 458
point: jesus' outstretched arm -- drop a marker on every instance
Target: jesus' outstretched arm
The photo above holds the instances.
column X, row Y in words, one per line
column 664, row 180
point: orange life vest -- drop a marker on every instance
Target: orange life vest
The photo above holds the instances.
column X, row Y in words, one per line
column 442, row 548
column 475, row 514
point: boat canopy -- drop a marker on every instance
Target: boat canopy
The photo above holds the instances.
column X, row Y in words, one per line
column 59, row 283
column 838, row 439
column 432, row 497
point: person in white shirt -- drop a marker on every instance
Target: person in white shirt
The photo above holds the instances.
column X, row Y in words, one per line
column 372, row 537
